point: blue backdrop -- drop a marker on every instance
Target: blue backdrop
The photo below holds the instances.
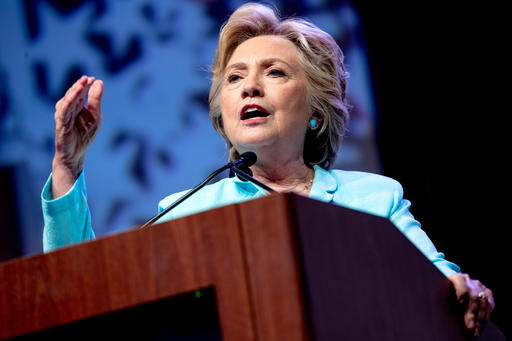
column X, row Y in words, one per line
column 153, row 57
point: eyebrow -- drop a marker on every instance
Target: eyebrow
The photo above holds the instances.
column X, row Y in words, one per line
column 265, row 62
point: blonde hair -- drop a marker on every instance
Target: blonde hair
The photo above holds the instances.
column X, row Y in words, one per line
column 322, row 61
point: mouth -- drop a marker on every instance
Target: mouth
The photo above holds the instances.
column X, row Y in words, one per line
column 253, row 111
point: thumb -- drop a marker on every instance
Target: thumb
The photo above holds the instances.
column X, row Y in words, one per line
column 94, row 96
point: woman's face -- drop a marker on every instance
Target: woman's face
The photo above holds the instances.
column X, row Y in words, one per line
column 264, row 97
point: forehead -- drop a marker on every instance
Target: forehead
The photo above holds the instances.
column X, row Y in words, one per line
column 265, row 47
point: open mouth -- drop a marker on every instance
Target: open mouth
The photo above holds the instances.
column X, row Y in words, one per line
column 252, row 111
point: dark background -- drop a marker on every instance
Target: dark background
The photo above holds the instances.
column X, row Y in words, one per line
column 439, row 82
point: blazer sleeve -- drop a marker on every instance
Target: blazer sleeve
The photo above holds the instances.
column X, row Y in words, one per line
column 67, row 219
column 411, row 228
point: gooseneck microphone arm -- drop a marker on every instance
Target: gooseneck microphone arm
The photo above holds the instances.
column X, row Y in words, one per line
column 248, row 177
column 185, row 196
column 246, row 160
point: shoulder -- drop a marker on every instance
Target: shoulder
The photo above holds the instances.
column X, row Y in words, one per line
column 364, row 181
column 208, row 191
column 368, row 192
column 223, row 192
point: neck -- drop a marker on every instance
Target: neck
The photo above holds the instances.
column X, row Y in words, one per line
column 284, row 175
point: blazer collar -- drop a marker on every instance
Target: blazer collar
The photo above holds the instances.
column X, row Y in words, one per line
column 323, row 189
column 324, row 185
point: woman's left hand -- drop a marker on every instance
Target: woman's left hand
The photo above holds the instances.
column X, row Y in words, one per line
column 478, row 300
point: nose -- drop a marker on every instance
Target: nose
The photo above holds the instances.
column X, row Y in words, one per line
column 252, row 87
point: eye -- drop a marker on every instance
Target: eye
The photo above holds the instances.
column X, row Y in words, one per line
column 233, row 78
column 276, row 73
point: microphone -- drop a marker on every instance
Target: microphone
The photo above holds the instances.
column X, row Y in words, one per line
column 241, row 168
column 246, row 160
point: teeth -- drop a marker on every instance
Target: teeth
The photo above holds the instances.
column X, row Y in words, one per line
column 253, row 112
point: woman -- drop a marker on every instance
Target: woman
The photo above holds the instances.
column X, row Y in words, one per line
column 278, row 89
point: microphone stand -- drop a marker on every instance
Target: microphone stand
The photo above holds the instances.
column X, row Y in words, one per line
column 245, row 161
column 185, row 196
column 247, row 177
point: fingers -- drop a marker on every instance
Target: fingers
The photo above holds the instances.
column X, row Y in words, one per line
column 90, row 119
column 486, row 306
column 75, row 125
column 491, row 303
column 471, row 316
column 72, row 103
column 483, row 299
column 479, row 300
column 79, row 83
column 95, row 96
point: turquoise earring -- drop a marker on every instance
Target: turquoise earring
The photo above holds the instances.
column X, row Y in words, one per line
column 313, row 123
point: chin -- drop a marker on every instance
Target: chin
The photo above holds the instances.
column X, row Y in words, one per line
column 253, row 142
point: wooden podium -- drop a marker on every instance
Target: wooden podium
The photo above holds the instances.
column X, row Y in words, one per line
column 281, row 267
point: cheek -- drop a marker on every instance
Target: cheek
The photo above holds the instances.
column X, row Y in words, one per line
column 296, row 101
column 228, row 120
column 227, row 105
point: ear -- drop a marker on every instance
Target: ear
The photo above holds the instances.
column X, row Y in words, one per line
column 318, row 117
column 315, row 121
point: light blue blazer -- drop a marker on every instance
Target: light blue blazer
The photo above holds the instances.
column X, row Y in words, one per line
column 67, row 219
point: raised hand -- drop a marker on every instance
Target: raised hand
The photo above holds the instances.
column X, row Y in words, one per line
column 76, row 126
